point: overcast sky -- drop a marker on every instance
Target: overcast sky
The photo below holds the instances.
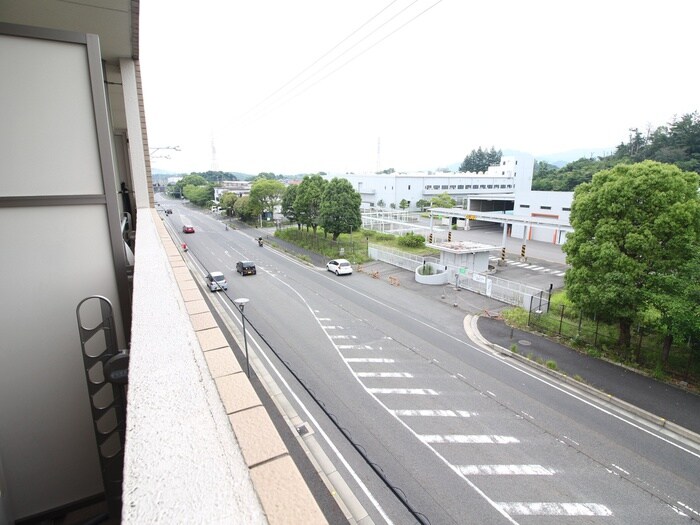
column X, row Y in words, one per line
column 323, row 85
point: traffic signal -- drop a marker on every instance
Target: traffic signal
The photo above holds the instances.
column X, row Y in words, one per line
column 449, row 236
column 430, row 238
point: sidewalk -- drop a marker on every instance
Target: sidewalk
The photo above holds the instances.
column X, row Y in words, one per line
column 659, row 402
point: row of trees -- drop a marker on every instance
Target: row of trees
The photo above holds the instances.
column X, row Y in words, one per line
column 676, row 143
column 635, row 250
column 480, row 160
column 334, row 205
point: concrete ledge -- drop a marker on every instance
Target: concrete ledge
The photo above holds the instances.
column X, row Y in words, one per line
column 200, row 445
column 285, row 500
column 182, row 462
column 257, row 436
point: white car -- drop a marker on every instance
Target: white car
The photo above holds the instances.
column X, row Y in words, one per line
column 216, row 281
column 339, row 267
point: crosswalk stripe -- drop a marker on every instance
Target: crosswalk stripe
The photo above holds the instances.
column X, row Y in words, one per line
column 404, row 391
column 554, row 509
column 367, row 360
column 433, row 413
column 384, row 374
column 504, row 470
column 468, row 439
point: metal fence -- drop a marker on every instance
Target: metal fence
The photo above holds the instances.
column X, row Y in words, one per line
column 407, row 261
column 510, row 292
column 589, row 331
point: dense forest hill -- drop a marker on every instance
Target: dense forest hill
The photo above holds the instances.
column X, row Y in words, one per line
column 676, row 143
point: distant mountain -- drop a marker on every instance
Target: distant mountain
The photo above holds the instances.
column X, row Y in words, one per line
column 562, row 158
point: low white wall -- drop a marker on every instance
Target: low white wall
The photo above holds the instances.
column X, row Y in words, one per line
column 439, row 275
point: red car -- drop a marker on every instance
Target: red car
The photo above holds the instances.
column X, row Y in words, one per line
column 188, row 228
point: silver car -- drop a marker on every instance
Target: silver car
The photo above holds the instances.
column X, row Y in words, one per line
column 216, row 281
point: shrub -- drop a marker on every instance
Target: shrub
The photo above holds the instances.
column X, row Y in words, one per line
column 425, row 269
column 411, row 240
column 551, row 364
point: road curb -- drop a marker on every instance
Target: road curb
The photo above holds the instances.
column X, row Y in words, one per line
column 472, row 331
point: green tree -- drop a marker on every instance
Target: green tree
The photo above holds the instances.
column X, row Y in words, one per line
column 243, row 209
column 227, row 202
column 675, row 298
column 403, row 204
column 480, row 160
column 266, row 194
column 188, row 180
column 199, row 195
column 630, row 223
column 267, row 176
column 307, row 205
column 422, row 204
column 290, row 195
column 340, row 208
column 443, row 201
column 380, row 203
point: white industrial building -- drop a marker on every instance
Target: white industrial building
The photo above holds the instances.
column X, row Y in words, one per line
column 503, row 189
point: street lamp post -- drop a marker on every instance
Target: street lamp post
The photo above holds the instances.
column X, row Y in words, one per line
column 240, row 303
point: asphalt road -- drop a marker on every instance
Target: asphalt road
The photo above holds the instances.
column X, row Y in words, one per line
column 467, row 435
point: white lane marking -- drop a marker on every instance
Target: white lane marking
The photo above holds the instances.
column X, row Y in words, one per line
column 367, row 360
column 343, row 336
column 433, row 413
column 346, row 347
column 312, row 419
column 505, row 470
column 376, row 504
column 538, row 268
column 384, row 374
column 404, row 391
column 554, row 509
column 486, row 353
column 468, row 439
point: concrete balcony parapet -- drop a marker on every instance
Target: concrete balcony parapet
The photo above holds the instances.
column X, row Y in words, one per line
column 200, row 447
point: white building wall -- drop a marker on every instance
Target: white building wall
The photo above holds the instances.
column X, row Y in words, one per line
column 513, row 174
column 550, row 204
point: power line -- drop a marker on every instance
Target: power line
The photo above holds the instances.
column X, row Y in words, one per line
column 290, row 92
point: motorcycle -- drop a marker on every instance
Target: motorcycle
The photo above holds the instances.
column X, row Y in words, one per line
column 184, row 247
column 260, row 241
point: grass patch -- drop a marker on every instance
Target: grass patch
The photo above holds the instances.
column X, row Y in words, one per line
column 516, row 317
column 551, row 364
